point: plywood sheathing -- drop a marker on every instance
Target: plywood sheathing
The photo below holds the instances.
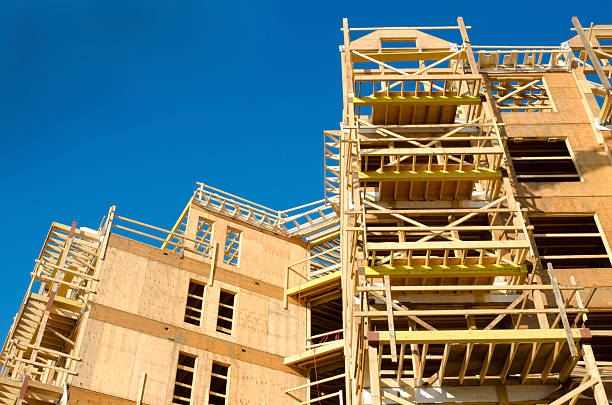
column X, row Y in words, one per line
column 157, row 290
column 115, row 358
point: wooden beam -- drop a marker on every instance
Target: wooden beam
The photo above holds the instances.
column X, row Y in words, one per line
column 440, row 270
column 594, row 59
column 424, row 100
column 495, row 336
column 562, row 313
column 374, row 374
column 308, row 355
column 478, row 245
column 430, row 151
column 397, row 399
column 143, row 381
column 403, row 308
column 389, row 304
column 446, row 175
column 573, row 393
column 315, row 284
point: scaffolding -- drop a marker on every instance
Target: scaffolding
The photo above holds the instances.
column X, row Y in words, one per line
column 442, row 292
column 423, row 282
column 41, row 351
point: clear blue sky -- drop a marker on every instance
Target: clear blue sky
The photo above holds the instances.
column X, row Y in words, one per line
column 132, row 102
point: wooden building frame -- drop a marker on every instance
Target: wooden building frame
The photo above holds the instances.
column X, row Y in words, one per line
column 420, row 277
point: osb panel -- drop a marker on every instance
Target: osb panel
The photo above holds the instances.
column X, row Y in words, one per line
column 372, row 39
column 263, row 255
column 115, row 358
column 286, row 334
column 158, row 291
column 121, row 280
column 572, row 121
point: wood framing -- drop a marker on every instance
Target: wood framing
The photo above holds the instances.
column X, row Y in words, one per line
column 460, row 253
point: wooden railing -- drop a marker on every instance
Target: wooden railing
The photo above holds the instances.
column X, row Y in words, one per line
column 294, row 222
column 512, row 59
column 339, row 394
column 65, row 271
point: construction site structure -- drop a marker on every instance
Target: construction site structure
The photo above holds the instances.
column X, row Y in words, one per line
column 460, row 254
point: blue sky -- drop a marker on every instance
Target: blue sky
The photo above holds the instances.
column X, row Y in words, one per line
column 132, row 102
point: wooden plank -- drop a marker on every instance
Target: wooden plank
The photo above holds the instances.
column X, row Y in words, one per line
column 389, row 304
column 594, row 59
column 575, row 392
column 456, row 245
column 374, row 375
column 213, row 264
column 423, row 175
column 403, row 55
column 397, row 399
column 326, row 349
column 376, row 76
column 324, row 239
column 143, row 381
column 459, row 312
column 428, row 100
column 315, row 284
column 590, row 362
column 429, row 151
column 468, row 270
column 468, row 288
column 495, row 336
column 562, row 313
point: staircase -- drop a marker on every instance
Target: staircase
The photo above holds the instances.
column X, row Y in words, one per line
column 40, row 353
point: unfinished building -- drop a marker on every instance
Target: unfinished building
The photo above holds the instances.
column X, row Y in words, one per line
column 460, row 253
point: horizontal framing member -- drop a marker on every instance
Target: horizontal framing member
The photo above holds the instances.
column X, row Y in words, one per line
column 326, row 238
column 316, row 284
column 168, row 333
column 447, row 100
column 494, row 336
column 368, row 125
column 308, row 355
column 470, row 288
column 467, row 270
column 485, row 244
column 431, row 151
column 377, row 77
column 463, row 312
column 447, row 175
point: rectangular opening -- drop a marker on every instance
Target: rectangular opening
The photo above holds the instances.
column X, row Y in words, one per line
column 183, row 383
column 195, row 300
column 393, row 42
column 231, row 254
column 219, row 376
column 225, row 315
column 542, row 160
column 569, row 241
column 203, row 237
column 521, row 94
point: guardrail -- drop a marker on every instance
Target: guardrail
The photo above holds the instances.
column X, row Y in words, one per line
column 294, row 222
column 513, row 59
column 339, row 394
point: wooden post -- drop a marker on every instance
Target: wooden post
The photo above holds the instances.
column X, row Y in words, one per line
column 143, row 381
column 213, row 265
column 374, row 374
column 590, row 362
column 562, row 313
